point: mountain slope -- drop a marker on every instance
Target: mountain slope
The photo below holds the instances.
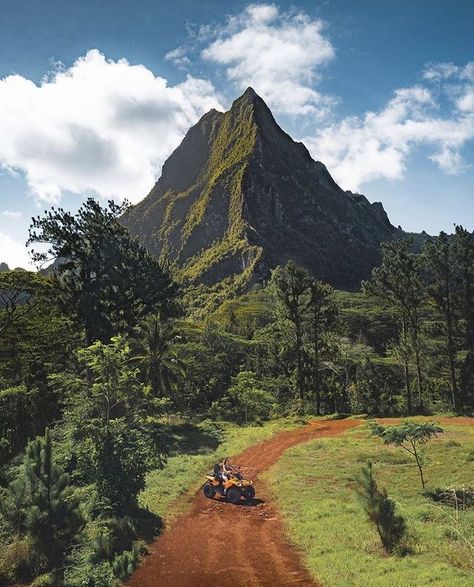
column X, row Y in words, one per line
column 239, row 196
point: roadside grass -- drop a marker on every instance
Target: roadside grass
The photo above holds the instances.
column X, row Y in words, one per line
column 312, row 485
column 197, row 448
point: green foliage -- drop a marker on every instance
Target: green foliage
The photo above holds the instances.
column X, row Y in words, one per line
column 244, row 402
column 39, row 504
column 398, row 282
column 372, row 392
column 158, row 356
column 411, row 436
column 440, row 261
column 20, row 294
column 111, row 423
column 380, row 509
column 46, row 580
column 125, row 563
column 290, row 286
column 107, row 279
column 17, row 409
column 210, row 357
column 244, row 314
column 40, row 339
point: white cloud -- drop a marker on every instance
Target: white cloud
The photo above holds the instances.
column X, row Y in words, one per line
column 14, row 253
column 279, row 54
column 178, row 57
column 11, row 214
column 100, row 126
column 378, row 144
column 457, row 81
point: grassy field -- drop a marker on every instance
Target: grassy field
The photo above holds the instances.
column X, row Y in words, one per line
column 196, row 450
column 312, row 485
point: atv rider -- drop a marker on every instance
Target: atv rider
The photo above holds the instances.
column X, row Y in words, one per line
column 226, row 470
column 222, row 472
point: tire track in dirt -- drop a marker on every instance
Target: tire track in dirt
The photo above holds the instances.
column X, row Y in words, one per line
column 228, row 545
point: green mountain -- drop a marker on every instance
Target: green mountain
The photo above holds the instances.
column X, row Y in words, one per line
column 239, row 196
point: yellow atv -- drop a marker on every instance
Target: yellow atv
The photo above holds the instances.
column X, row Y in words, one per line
column 234, row 489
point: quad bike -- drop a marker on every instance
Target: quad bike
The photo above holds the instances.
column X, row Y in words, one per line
column 234, row 490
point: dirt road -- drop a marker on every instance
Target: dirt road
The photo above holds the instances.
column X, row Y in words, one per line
column 220, row 544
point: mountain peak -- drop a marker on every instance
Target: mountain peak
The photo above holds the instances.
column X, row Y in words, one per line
column 239, row 196
column 251, row 111
column 248, row 100
column 250, row 94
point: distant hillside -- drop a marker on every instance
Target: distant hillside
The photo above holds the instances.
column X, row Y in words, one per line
column 239, row 197
column 4, row 268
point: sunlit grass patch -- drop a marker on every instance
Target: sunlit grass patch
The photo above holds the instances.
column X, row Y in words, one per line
column 313, row 486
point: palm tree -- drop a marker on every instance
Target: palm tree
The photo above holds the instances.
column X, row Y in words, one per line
column 158, row 356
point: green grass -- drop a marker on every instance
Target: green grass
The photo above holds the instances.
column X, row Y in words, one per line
column 312, row 484
column 198, row 451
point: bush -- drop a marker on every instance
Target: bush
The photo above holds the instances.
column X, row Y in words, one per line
column 244, row 402
column 93, row 574
column 18, row 561
column 121, row 454
column 125, row 563
column 46, row 580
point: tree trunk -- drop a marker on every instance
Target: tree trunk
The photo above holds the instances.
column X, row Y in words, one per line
column 407, row 387
column 299, row 360
column 414, row 332
column 406, row 367
column 316, row 382
column 451, row 357
column 419, row 379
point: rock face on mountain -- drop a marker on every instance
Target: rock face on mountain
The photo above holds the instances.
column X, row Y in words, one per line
column 4, row 268
column 239, row 196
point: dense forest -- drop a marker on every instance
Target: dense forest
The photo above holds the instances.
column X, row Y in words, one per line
column 99, row 348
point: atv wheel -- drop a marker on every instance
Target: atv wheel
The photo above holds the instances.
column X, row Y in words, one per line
column 208, row 490
column 249, row 494
column 233, row 495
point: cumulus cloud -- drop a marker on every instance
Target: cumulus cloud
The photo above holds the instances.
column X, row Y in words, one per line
column 279, row 54
column 378, row 144
column 101, row 126
column 14, row 253
column 179, row 57
column 457, row 81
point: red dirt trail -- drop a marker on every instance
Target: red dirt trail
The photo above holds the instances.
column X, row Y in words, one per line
column 217, row 543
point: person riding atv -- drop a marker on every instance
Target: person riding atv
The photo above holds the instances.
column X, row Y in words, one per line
column 228, row 482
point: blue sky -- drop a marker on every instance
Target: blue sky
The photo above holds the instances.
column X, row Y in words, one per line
column 94, row 95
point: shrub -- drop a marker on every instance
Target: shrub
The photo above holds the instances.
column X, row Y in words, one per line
column 18, row 561
column 85, row 572
column 125, row 563
column 46, row 580
column 244, row 402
